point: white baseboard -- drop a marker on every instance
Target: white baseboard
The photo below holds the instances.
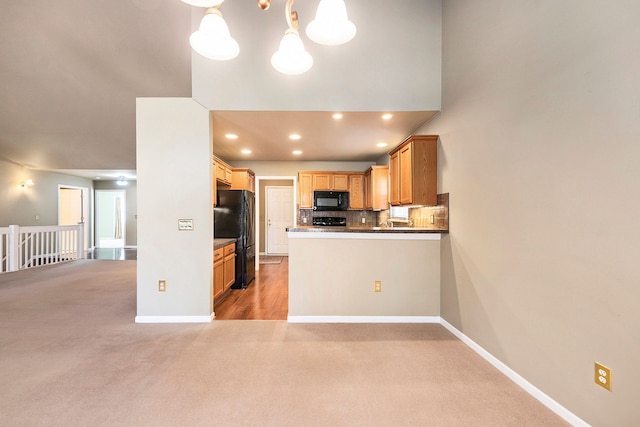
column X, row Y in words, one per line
column 363, row 319
column 547, row 401
column 175, row 319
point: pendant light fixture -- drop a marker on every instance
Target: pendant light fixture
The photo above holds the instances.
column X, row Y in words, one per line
column 291, row 58
column 203, row 3
column 331, row 26
column 213, row 40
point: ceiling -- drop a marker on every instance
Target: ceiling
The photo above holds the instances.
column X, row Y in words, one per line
column 71, row 73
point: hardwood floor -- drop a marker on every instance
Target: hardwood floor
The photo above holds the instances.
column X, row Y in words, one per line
column 266, row 298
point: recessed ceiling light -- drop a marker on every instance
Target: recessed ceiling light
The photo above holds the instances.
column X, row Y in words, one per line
column 387, row 116
column 231, row 136
column 294, row 136
column 246, row 151
column 337, row 116
column 382, row 144
column 297, row 152
column 98, row 177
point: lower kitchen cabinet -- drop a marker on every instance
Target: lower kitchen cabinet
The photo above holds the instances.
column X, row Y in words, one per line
column 224, row 269
column 229, row 265
column 218, row 272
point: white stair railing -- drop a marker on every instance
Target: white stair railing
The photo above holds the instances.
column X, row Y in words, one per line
column 27, row 247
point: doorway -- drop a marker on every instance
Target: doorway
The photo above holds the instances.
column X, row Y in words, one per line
column 73, row 208
column 110, row 218
column 279, row 216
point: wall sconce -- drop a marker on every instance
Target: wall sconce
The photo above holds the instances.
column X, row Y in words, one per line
column 27, row 183
column 122, row 181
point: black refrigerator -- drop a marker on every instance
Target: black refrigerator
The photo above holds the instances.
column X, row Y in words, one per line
column 233, row 217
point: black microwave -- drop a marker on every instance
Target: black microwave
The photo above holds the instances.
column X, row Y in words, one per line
column 330, row 200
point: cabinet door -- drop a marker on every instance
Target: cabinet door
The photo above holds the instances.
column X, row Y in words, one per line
column 221, row 172
column 228, row 175
column 229, row 270
column 218, row 273
column 305, row 181
column 395, row 178
column 367, row 190
column 340, row 182
column 214, row 185
column 321, row 181
column 356, row 191
column 379, row 193
column 406, row 175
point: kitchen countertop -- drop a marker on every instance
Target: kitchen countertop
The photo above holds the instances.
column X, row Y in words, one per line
column 384, row 230
column 222, row 242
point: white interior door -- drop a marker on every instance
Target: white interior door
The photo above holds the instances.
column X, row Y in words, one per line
column 279, row 210
column 73, row 208
column 110, row 218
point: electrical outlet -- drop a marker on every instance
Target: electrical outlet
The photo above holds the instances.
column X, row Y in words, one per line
column 603, row 376
column 162, row 286
column 431, row 219
column 304, row 220
column 364, row 220
column 377, row 286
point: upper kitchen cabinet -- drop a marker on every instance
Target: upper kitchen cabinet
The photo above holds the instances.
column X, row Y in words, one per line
column 224, row 172
column 413, row 170
column 243, row 179
column 376, row 185
column 305, row 182
column 331, row 181
column 356, row 191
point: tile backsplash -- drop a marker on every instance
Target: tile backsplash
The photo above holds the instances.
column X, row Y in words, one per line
column 354, row 218
column 420, row 216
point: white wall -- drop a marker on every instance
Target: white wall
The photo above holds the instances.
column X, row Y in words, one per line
column 131, row 207
column 174, row 182
column 393, row 63
column 539, row 133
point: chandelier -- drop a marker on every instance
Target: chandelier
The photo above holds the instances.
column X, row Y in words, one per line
column 331, row 27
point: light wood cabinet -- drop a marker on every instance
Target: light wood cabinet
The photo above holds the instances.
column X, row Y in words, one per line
column 356, row 191
column 214, row 185
column 414, row 171
column 305, row 182
column 229, row 265
column 243, row 179
column 330, row 181
column 340, row 182
column 224, row 172
column 218, row 272
column 377, row 188
column 224, row 269
column 322, row 181
column 394, row 187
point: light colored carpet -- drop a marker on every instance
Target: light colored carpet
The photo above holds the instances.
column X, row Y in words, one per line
column 71, row 355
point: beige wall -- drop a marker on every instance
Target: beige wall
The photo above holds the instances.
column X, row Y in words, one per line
column 21, row 206
column 393, row 63
column 539, row 133
column 174, row 182
column 334, row 277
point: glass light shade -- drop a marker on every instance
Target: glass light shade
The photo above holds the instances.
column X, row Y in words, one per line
column 291, row 58
column 213, row 40
column 331, row 26
column 203, row 3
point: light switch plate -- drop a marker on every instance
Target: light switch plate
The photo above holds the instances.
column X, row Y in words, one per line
column 185, row 224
